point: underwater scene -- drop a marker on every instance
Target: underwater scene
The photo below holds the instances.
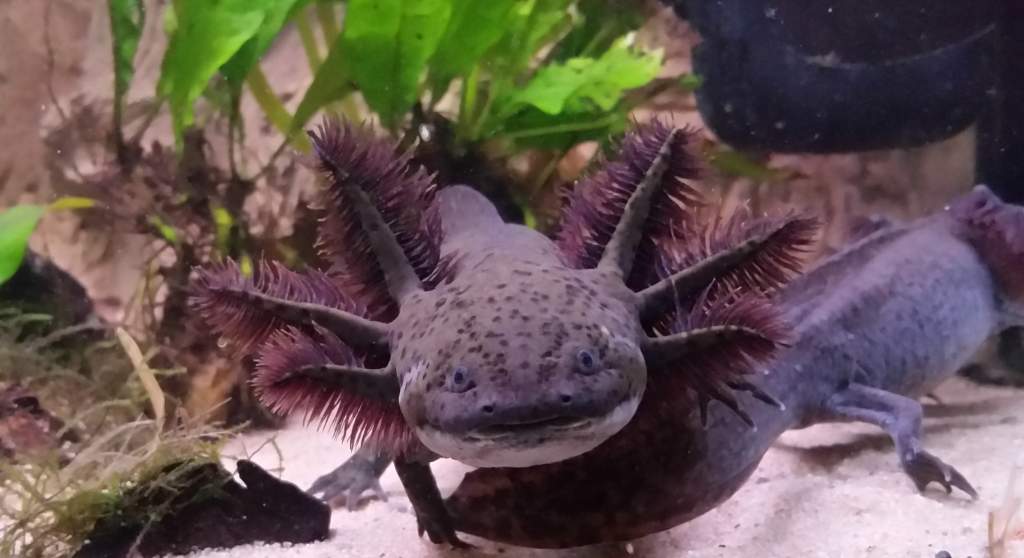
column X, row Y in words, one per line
column 518, row 278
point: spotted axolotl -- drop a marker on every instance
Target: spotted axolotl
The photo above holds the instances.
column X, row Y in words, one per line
column 877, row 325
column 440, row 331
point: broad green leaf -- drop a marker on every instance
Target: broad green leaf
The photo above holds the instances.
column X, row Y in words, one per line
column 389, row 43
column 584, row 84
column 531, row 23
column 16, row 226
column 474, row 27
column 578, row 100
column 275, row 14
column 126, row 20
column 331, row 83
column 207, row 34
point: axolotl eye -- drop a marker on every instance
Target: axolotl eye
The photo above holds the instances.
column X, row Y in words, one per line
column 459, row 380
column 586, row 362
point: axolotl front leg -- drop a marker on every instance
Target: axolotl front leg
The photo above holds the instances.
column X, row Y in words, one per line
column 362, row 472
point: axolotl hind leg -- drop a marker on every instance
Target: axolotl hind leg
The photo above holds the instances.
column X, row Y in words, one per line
column 900, row 417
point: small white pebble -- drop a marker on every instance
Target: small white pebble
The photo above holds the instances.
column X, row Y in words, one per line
column 629, row 548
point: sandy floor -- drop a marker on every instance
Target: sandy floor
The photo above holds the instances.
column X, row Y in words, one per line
column 831, row 491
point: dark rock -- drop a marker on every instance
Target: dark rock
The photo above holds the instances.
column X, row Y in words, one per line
column 209, row 510
column 41, row 286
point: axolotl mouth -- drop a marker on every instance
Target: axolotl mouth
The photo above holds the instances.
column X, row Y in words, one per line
column 527, row 442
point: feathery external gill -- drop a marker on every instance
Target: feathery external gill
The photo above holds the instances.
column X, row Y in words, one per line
column 655, row 155
column 318, row 374
column 716, row 347
column 381, row 232
column 740, row 254
column 245, row 311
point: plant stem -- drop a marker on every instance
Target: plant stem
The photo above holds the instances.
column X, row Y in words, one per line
column 233, row 123
column 328, row 21
column 485, row 112
column 151, row 115
column 272, row 107
column 308, row 40
column 348, row 106
column 563, row 128
column 545, row 174
column 595, row 41
column 467, row 100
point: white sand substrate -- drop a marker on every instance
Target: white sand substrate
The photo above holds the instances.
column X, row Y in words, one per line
column 828, row 491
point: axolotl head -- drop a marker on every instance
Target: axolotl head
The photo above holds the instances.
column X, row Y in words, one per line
column 532, row 367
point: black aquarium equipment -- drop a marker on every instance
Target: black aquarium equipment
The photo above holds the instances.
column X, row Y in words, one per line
column 842, row 75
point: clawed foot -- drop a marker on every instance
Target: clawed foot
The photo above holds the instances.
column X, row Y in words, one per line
column 348, row 482
column 440, row 532
column 924, row 468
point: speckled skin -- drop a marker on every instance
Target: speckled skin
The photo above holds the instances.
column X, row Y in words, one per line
column 884, row 320
column 504, row 348
column 514, row 318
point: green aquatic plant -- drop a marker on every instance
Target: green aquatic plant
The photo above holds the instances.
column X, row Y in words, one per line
column 17, row 224
column 543, row 72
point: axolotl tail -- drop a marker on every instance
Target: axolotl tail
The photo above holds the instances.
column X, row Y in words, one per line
column 996, row 230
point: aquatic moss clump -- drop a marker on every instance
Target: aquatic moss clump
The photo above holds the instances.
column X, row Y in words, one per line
column 131, row 465
column 46, row 507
